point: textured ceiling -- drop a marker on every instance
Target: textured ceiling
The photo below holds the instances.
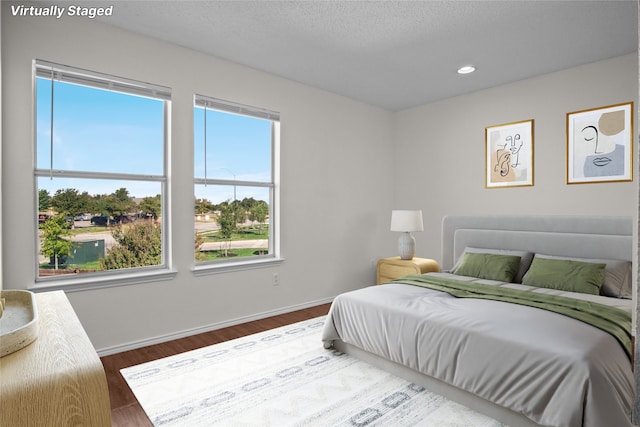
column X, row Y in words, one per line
column 393, row 54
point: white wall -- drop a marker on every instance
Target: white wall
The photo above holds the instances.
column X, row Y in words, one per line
column 335, row 196
column 340, row 160
column 439, row 149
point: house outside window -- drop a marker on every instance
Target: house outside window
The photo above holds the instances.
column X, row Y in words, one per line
column 235, row 184
column 100, row 174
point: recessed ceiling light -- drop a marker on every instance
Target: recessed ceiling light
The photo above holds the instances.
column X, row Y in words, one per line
column 466, row 69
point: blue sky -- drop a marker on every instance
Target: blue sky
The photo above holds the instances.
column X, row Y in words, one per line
column 103, row 131
column 236, row 145
column 98, row 130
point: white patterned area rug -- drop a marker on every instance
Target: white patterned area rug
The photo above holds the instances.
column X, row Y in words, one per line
column 284, row 377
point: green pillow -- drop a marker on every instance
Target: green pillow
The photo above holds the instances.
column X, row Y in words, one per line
column 565, row 275
column 489, row 266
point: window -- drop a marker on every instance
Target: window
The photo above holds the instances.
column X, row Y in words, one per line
column 235, row 183
column 100, row 171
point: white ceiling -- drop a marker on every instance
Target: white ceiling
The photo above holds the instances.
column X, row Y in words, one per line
column 393, row 54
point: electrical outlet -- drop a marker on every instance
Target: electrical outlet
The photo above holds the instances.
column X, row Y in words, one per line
column 275, row 279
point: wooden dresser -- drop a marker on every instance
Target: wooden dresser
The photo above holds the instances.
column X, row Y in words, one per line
column 58, row 380
column 394, row 267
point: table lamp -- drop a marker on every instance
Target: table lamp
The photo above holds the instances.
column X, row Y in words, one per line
column 406, row 222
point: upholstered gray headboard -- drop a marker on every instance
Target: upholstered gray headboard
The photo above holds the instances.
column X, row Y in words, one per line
column 608, row 237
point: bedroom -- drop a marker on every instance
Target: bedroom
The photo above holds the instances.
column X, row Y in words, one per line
column 334, row 149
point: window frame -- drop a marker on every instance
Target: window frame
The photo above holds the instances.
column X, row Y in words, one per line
column 274, row 256
column 97, row 80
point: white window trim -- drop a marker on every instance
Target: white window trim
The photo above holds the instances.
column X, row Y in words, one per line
column 44, row 69
column 97, row 281
column 274, row 257
column 228, row 266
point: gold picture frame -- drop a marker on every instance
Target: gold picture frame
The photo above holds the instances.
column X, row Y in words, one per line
column 509, row 155
column 600, row 145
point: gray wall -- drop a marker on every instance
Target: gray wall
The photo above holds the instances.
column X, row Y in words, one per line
column 345, row 165
column 439, row 149
column 335, row 195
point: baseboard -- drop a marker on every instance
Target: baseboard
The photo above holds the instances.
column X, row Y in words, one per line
column 185, row 333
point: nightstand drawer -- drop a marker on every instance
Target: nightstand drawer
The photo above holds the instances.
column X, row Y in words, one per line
column 394, row 271
column 394, row 267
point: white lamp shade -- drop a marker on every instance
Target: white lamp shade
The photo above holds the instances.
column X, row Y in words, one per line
column 406, row 221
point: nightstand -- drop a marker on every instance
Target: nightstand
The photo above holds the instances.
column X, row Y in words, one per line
column 394, row 267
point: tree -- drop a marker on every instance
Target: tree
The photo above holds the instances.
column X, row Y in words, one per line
column 151, row 206
column 139, row 245
column 54, row 244
column 228, row 224
column 121, row 202
column 248, row 203
column 116, row 203
column 102, row 204
column 70, row 202
column 258, row 213
column 239, row 212
column 203, row 206
column 199, row 240
column 44, row 200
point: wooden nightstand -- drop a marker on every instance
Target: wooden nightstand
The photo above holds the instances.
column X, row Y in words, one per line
column 394, row 267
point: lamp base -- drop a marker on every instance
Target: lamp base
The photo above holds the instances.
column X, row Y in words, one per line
column 406, row 246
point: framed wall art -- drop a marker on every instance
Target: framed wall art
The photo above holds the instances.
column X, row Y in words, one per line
column 600, row 144
column 509, row 155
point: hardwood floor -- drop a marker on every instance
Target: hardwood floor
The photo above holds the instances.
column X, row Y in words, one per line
column 125, row 410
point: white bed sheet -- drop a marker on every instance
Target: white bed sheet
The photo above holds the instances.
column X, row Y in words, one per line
column 554, row 370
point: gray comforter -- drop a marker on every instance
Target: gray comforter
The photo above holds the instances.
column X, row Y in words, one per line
column 555, row 370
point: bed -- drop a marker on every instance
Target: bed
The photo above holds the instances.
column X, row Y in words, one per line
column 522, row 363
